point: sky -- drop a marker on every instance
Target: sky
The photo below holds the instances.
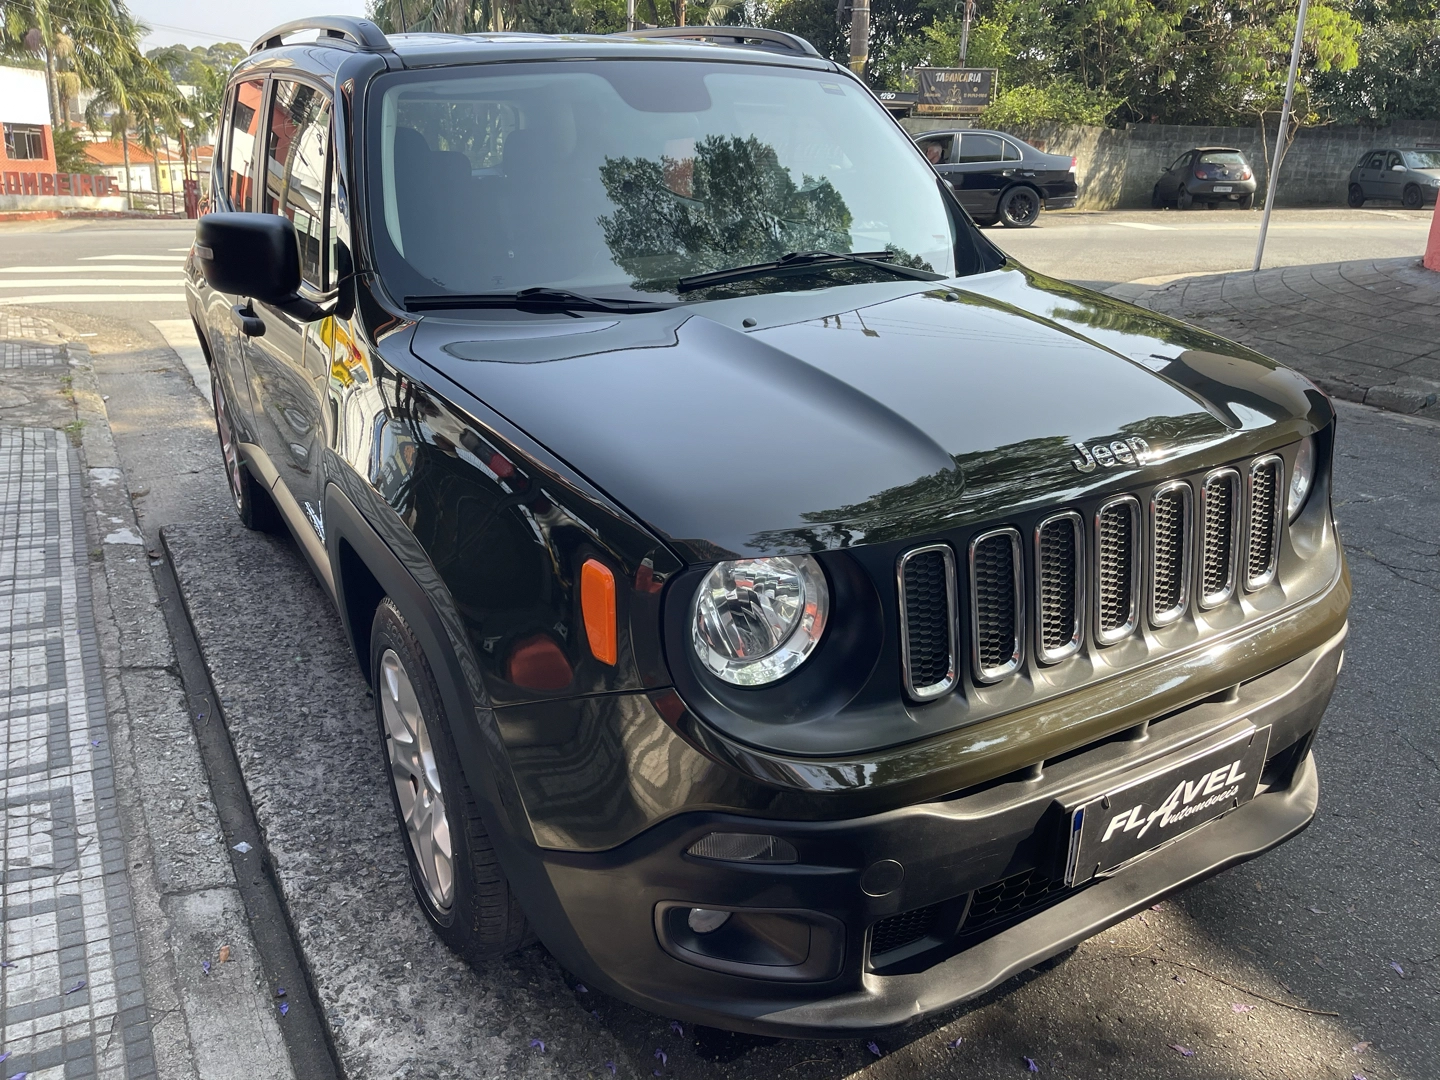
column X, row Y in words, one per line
column 188, row 22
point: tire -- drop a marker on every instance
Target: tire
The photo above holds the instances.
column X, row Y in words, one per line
column 984, row 222
column 1184, row 201
column 253, row 503
column 1356, row 196
column 1247, row 202
column 468, row 903
column 1157, row 201
column 1019, row 207
column 1412, row 198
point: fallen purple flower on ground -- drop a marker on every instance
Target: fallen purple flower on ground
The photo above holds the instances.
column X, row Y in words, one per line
column 657, row 1072
column 954, row 1044
column 242, row 847
column 1156, row 907
column 581, row 988
column 7, row 963
column 205, row 966
column 19, row 1076
column 661, row 1056
column 5, row 1055
column 94, row 742
column 1361, row 1047
column 1183, row 1051
column 1242, row 1008
column 595, row 1013
column 611, row 1066
column 280, row 991
column 1398, row 969
column 537, row 1044
column 1030, row 1065
column 873, row 1048
column 78, row 986
column 676, row 1027
column 284, row 1008
column 1356, row 1076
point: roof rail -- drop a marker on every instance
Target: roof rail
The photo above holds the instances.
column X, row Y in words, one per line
column 754, row 37
column 362, row 33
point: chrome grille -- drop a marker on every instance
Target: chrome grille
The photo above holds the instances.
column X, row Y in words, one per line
column 1220, row 536
column 1262, row 546
column 995, row 603
column 1060, row 570
column 927, row 620
column 1169, row 552
column 1117, row 569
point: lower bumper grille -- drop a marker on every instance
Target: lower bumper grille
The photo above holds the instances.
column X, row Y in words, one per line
column 1011, row 898
column 893, row 933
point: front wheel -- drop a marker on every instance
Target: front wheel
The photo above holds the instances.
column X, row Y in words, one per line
column 453, row 866
column 1157, row 201
column 1184, row 201
column 1356, row 196
column 252, row 502
column 1412, row 198
column 1019, row 208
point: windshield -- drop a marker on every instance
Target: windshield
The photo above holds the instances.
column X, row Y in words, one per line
column 1222, row 157
column 620, row 178
column 1422, row 159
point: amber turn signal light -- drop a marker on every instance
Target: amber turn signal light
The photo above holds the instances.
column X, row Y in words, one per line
column 597, row 604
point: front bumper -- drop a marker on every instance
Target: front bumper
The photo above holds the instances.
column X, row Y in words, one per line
column 614, row 903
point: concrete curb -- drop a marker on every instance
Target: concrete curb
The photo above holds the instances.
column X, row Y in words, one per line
column 1362, row 331
column 222, row 1022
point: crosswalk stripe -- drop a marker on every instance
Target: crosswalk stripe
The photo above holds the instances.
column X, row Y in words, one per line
column 150, row 283
column 93, row 298
column 108, row 268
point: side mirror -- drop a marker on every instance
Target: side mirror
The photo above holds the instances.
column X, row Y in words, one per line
column 256, row 256
column 1397, row 168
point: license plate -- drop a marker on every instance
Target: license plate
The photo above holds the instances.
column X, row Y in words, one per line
column 1138, row 816
column 1220, row 189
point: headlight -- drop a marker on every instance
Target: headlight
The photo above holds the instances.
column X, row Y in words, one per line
column 1302, row 475
column 757, row 620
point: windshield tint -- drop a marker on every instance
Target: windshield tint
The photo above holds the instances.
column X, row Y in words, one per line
column 618, row 178
column 1422, row 159
column 1222, row 157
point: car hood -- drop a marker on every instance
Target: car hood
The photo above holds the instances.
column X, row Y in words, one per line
column 867, row 413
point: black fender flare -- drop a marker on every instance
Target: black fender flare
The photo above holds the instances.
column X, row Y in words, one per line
column 482, row 755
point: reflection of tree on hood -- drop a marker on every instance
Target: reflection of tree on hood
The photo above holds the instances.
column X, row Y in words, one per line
column 735, row 204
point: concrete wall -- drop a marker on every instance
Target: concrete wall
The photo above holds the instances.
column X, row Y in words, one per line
column 1118, row 167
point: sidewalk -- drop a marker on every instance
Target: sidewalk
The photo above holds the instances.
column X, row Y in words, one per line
column 118, row 891
column 1365, row 331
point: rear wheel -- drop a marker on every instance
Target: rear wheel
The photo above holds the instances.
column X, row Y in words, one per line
column 1247, row 202
column 453, row 866
column 1412, row 198
column 1184, row 201
column 1019, row 208
column 1356, row 196
column 252, row 502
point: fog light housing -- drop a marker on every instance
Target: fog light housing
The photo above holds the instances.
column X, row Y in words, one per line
column 706, row 920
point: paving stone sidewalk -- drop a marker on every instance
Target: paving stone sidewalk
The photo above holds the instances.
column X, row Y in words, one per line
column 116, row 892
column 1365, row 331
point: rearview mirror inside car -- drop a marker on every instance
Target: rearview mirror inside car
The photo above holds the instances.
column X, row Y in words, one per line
column 255, row 256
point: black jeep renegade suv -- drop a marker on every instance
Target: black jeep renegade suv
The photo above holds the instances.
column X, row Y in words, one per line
column 797, row 614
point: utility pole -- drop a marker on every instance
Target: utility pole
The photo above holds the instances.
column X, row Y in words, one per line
column 965, row 31
column 1274, row 178
column 629, row 15
column 859, row 36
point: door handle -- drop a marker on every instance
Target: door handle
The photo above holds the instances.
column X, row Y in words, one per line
column 250, row 324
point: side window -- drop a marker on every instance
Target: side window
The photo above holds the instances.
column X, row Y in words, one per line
column 1377, row 160
column 244, row 129
column 1180, row 162
column 937, row 150
column 1012, row 152
column 1393, row 160
column 981, row 147
column 295, row 181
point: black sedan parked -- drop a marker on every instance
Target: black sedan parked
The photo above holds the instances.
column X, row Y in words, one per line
column 798, row 615
column 999, row 178
column 1411, row 176
column 1208, row 175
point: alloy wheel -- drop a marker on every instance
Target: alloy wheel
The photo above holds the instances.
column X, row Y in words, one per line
column 1021, row 208
column 417, row 781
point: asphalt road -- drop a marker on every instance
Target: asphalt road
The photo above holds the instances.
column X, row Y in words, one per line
column 1101, row 249
column 1241, row 970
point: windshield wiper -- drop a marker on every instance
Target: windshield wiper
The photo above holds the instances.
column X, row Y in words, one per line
column 536, row 299
column 804, row 260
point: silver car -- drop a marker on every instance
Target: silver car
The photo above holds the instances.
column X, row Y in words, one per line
column 1410, row 176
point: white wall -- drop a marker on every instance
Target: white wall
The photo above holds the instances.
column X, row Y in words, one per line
column 22, row 97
